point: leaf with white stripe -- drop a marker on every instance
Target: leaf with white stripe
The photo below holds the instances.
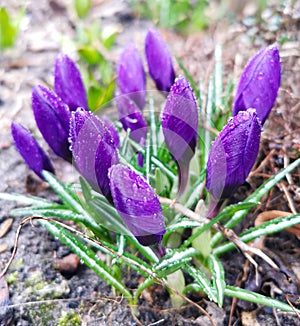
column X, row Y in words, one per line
column 201, row 279
column 218, row 277
column 266, row 228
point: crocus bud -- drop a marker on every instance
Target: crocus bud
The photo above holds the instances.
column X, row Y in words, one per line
column 52, row 117
column 137, row 204
column 93, row 148
column 180, row 127
column 159, row 61
column 34, row 156
column 68, row 84
column 131, row 77
column 259, row 83
column 131, row 118
column 233, row 155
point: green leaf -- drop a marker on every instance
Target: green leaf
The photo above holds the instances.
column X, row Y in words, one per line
column 69, row 198
column 236, row 292
column 109, row 40
column 88, row 256
column 99, row 95
column 176, row 281
column 174, row 260
column 82, row 7
column 86, row 189
column 144, row 285
column 90, row 55
column 183, row 223
column 62, row 213
column 218, row 277
column 255, row 197
column 226, row 212
column 156, row 161
column 9, row 27
column 203, row 281
column 26, row 200
column 189, row 78
column 106, row 215
column 266, row 228
column 131, row 260
column 147, row 252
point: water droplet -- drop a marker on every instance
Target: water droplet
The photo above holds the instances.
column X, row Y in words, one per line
column 128, row 201
column 257, row 101
column 260, row 75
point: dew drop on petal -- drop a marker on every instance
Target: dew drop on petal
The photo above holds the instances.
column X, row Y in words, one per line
column 260, row 76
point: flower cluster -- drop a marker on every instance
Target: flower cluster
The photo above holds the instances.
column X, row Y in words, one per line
column 75, row 134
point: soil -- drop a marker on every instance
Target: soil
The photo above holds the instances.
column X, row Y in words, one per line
column 38, row 293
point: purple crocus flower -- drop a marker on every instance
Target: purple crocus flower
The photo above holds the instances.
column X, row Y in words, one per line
column 232, row 156
column 52, row 117
column 159, row 61
column 93, row 148
column 68, row 84
column 30, row 150
column 137, row 204
column 259, row 83
column 180, row 127
column 131, row 118
column 131, row 77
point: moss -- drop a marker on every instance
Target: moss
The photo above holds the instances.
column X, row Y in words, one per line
column 12, row 278
column 69, row 319
column 41, row 314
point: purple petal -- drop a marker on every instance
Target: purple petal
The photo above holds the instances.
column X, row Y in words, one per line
column 113, row 131
column 131, row 118
column 52, row 117
column 137, row 204
column 68, row 84
column 30, row 150
column 180, row 126
column 159, row 61
column 259, row 83
column 93, row 149
column 233, row 154
column 131, row 77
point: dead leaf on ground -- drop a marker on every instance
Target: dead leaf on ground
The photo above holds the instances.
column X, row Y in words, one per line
column 5, row 227
column 249, row 318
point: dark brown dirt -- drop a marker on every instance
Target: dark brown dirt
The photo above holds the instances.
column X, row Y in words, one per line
column 39, row 293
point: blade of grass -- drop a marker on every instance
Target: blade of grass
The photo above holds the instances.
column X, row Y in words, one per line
column 26, row 200
column 266, row 228
column 218, row 278
column 89, row 257
column 227, row 212
column 201, row 279
column 242, row 294
column 69, row 198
